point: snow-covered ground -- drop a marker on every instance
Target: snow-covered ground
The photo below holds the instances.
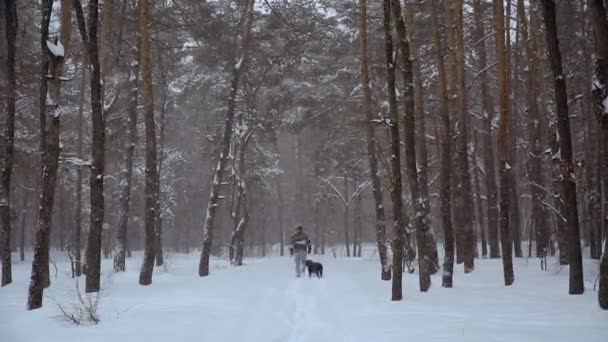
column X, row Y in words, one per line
column 262, row 301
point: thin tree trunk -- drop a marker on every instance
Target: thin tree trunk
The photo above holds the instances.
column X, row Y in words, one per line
column 161, row 151
column 7, row 136
column 398, row 219
column 151, row 183
column 423, row 236
column 539, row 220
column 76, row 234
column 370, row 136
column 23, row 225
column 503, row 142
column 568, row 182
column 49, row 135
column 127, row 174
column 346, row 239
column 446, row 155
column 239, row 64
column 479, row 206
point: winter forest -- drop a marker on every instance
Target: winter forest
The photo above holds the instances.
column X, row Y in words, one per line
column 446, row 159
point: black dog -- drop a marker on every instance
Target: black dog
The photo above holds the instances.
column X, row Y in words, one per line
column 315, row 268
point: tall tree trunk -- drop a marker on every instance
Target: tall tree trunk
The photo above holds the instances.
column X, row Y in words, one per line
column 370, row 136
column 446, row 154
column 515, row 213
column 7, row 136
column 420, row 116
column 398, row 218
column 279, row 193
column 463, row 195
column 424, row 240
column 151, row 183
column 597, row 11
column 503, row 142
column 93, row 253
column 161, row 153
column 49, row 135
column 534, row 127
column 127, row 175
column 76, row 248
column 488, row 111
column 239, row 64
column 567, row 179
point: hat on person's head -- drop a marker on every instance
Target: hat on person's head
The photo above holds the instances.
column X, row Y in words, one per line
column 299, row 227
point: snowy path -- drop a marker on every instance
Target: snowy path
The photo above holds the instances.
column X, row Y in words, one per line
column 263, row 302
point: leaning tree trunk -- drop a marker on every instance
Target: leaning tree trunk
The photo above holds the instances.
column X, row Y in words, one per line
column 567, row 180
column 126, row 178
column 503, row 142
column 7, row 135
column 241, row 210
column 424, row 240
column 239, row 64
column 370, row 136
column 597, row 11
column 446, row 152
column 151, row 184
column 49, row 129
column 398, row 218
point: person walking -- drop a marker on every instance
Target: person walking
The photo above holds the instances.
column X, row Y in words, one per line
column 300, row 246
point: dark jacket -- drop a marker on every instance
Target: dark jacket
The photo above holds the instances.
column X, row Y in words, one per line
column 300, row 241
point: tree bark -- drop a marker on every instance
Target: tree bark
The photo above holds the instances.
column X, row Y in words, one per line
column 568, row 182
column 398, row 219
column 597, row 11
column 151, row 183
column 385, row 273
column 93, row 253
column 7, row 136
column 503, row 141
column 49, row 136
column 424, row 241
column 446, row 153
column 239, row 64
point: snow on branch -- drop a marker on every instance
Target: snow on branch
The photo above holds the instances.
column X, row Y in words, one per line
column 356, row 193
column 75, row 161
